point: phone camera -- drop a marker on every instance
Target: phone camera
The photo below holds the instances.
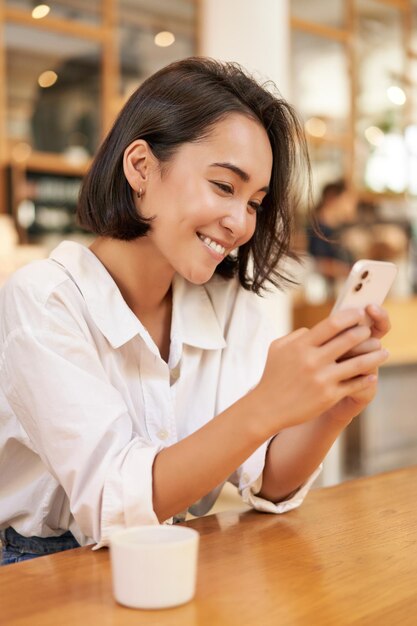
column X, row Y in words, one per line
column 358, row 287
column 363, row 276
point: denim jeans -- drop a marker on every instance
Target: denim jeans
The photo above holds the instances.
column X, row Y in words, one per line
column 18, row 548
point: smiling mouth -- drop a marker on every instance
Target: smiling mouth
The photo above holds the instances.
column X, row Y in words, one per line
column 212, row 244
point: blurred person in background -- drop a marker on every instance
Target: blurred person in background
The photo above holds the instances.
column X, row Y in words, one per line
column 335, row 210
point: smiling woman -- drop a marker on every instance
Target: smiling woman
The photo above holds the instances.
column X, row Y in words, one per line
column 182, row 104
column 200, row 198
column 138, row 375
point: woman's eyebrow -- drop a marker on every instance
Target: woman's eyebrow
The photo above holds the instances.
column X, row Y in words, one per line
column 237, row 170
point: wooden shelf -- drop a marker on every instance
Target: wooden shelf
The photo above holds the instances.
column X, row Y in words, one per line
column 104, row 33
column 320, row 30
column 53, row 163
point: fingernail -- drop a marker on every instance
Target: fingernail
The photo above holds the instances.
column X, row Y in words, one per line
column 385, row 353
column 372, row 378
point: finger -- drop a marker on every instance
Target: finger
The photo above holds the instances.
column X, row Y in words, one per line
column 344, row 342
column 359, row 365
column 282, row 341
column 335, row 324
column 380, row 320
column 358, row 384
column 369, row 345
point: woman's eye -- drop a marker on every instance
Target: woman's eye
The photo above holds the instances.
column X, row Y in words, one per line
column 256, row 206
column 224, row 187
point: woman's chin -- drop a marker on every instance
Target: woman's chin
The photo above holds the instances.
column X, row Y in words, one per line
column 198, row 276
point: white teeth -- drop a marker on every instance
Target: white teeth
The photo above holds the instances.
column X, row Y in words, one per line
column 212, row 244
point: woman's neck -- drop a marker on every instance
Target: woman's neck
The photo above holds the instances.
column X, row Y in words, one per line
column 145, row 283
column 144, row 280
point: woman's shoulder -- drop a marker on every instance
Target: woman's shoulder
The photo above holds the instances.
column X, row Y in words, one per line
column 66, row 265
column 34, row 281
column 28, row 295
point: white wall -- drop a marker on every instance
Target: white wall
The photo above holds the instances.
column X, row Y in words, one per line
column 256, row 35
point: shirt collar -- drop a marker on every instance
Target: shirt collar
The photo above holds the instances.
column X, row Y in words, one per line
column 194, row 319
column 103, row 298
column 194, row 316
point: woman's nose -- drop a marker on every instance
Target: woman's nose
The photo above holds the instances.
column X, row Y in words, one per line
column 236, row 221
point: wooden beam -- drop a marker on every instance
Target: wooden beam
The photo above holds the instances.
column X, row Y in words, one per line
column 198, row 26
column 320, row 30
column 3, row 114
column 407, row 28
column 55, row 24
column 110, row 73
column 353, row 78
column 401, row 5
column 53, row 163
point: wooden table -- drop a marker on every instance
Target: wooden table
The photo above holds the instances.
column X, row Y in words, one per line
column 347, row 556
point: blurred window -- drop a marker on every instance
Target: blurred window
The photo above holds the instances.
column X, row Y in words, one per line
column 69, row 67
column 382, row 90
column 320, row 83
column 380, row 57
column 152, row 35
column 63, row 115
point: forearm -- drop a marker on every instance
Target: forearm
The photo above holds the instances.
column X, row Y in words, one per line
column 316, row 382
column 294, row 454
column 191, row 468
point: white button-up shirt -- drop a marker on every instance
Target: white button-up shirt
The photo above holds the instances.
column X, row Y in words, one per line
column 86, row 401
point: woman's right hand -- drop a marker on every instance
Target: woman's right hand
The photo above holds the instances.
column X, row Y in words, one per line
column 304, row 374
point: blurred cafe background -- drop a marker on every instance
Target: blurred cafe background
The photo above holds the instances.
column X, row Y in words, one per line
column 350, row 69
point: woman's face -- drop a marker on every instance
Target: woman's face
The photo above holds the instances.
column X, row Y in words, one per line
column 206, row 200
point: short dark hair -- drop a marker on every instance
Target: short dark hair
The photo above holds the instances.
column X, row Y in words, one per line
column 181, row 103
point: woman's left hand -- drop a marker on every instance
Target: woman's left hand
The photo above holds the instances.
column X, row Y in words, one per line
column 350, row 406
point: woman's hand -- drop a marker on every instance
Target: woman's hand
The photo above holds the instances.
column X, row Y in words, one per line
column 352, row 405
column 307, row 373
column 380, row 325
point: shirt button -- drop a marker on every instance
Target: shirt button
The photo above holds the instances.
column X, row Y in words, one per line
column 246, row 478
column 162, row 435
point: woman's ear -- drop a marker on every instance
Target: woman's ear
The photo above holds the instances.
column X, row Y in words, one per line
column 138, row 161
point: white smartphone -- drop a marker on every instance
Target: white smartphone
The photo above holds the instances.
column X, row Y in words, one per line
column 368, row 283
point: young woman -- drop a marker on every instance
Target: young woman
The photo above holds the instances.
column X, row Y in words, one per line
column 138, row 375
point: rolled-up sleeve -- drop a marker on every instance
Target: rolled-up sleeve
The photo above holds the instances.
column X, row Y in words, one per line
column 248, row 480
column 243, row 368
column 250, row 490
column 79, row 425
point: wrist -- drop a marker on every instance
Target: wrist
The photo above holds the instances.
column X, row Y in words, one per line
column 332, row 420
column 261, row 419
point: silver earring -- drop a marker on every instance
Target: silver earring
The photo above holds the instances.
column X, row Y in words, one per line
column 139, row 193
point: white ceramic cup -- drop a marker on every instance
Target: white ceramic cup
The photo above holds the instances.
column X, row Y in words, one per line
column 154, row 567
